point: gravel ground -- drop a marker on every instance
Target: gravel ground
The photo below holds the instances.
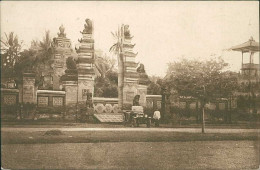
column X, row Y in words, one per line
column 133, row 155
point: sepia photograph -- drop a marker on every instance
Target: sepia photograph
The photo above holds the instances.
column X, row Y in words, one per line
column 136, row 85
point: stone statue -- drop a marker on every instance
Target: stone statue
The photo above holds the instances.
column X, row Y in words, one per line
column 88, row 27
column 126, row 31
column 136, row 100
column 141, row 69
column 89, row 103
column 143, row 77
column 61, row 33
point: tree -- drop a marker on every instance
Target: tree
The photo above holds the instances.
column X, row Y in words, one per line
column 202, row 80
column 43, row 61
column 106, row 86
column 117, row 50
column 10, row 53
column 44, row 48
column 71, row 73
column 25, row 62
column 154, row 87
column 104, row 64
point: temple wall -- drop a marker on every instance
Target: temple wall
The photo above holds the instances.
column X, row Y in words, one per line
column 105, row 105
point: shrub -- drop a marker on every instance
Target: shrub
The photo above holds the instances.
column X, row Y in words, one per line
column 53, row 132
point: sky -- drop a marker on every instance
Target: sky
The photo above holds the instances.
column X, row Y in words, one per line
column 163, row 31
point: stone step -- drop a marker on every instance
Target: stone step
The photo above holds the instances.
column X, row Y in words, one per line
column 110, row 117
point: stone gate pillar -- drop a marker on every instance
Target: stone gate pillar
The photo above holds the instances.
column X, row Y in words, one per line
column 135, row 79
column 71, row 92
column 28, row 88
column 85, row 64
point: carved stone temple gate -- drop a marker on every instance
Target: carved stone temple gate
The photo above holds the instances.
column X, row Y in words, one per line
column 59, row 98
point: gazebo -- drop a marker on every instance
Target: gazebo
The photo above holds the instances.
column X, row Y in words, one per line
column 250, row 71
column 251, row 46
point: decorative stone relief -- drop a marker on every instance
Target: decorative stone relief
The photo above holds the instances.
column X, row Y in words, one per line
column 42, row 101
column 9, row 99
column 108, row 108
column 57, row 101
column 182, row 105
column 149, row 103
column 99, row 108
column 115, row 108
column 193, row 105
column 222, row 106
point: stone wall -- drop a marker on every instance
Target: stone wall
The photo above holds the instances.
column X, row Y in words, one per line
column 50, row 104
column 105, row 105
column 9, row 103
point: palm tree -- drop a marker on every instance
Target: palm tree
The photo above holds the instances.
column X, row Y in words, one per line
column 104, row 65
column 117, row 49
column 44, row 48
column 44, row 52
column 10, row 51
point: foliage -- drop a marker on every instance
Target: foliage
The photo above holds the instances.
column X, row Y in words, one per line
column 104, row 64
column 51, row 110
column 44, row 48
column 155, row 85
column 106, row 83
column 25, row 62
column 70, row 63
column 71, row 73
column 10, row 53
column 143, row 77
column 116, row 49
column 203, row 80
column 106, row 87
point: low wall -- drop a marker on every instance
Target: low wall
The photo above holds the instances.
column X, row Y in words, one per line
column 105, row 105
column 50, row 104
column 9, row 103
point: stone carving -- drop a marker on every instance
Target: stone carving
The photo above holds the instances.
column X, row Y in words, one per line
column 136, row 100
column 42, row 101
column 57, row 101
column 89, row 102
column 141, row 69
column 115, row 108
column 193, row 105
column 108, row 108
column 9, row 99
column 126, row 31
column 61, row 33
column 143, row 77
column 99, row 108
column 105, row 108
column 88, row 29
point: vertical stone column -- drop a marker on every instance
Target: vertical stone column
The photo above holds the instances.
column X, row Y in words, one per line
column 62, row 50
column 71, row 89
column 142, row 91
column 85, row 63
column 28, row 88
column 131, row 76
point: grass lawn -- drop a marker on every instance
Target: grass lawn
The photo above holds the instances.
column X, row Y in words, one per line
column 133, row 155
column 57, row 136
